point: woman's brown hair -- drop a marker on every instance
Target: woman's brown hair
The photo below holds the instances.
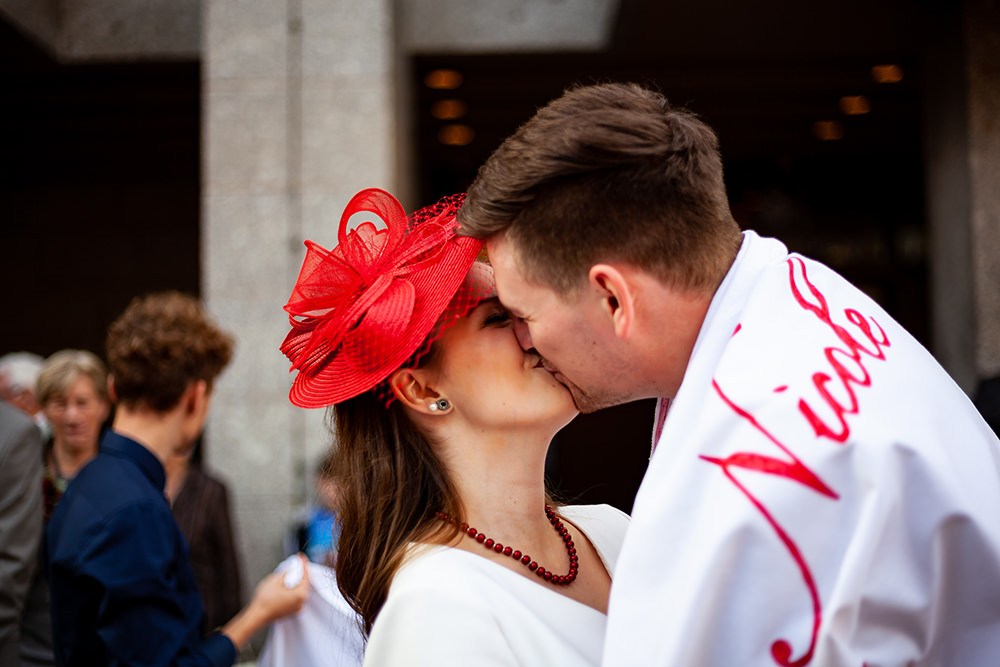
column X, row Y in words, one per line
column 390, row 483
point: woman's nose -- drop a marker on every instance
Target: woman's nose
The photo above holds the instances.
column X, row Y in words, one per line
column 75, row 413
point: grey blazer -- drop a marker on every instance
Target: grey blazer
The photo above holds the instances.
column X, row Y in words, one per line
column 20, row 522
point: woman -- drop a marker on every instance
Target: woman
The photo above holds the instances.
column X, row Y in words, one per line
column 448, row 549
column 73, row 392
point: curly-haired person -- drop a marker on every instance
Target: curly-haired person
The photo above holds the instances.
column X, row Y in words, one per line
column 123, row 591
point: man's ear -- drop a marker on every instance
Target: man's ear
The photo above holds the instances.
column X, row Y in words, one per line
column 617, row 296
column 412, row 388
column 195, row 395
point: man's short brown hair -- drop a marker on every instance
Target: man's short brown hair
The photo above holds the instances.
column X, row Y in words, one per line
column 159, row 345
column 610, row 172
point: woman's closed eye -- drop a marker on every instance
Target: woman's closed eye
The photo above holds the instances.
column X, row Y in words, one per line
column 497, row 317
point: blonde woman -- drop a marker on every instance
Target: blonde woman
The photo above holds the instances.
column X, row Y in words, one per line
column 73, row 392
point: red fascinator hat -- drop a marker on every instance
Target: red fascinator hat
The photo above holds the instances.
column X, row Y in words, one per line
column 360, row 311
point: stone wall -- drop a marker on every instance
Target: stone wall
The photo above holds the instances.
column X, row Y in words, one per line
column 983, row 66
column 298, row 111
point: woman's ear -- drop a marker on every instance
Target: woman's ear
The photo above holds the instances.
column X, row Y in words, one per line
column 617, row 296
column 412, row 388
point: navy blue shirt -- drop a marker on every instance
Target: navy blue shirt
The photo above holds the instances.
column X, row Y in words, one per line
column 123, row 592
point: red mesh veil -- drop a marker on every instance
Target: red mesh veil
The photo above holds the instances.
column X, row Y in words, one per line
column 477, row 285
column 360, row 311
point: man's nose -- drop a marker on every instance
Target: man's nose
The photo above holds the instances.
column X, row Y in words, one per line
column 523, row 335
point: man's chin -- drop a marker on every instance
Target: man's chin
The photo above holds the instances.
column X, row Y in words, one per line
column 587, row 403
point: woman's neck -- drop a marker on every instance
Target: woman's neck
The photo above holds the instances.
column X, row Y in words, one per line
column 501, row 481
column 67, row 460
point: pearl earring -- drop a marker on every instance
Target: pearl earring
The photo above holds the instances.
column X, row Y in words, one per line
column 441, row 405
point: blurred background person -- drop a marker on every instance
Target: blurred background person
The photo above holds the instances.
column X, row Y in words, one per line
column 73, row 392
column 18, row 377
column 316, row 532
column 72, row 389
column 123, row 590
column 327, row 632
column 20, row 523
column 200, row 505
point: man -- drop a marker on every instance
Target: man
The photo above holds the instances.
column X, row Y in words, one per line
column 821, row 492
column 21, row 487
column 18, row 376
column 20, row 522
column 123, row 591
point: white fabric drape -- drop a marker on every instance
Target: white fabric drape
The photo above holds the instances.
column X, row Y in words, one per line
column 325, row 633
column 822, row 493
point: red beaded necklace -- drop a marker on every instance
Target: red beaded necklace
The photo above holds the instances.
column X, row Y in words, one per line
column 558, row 580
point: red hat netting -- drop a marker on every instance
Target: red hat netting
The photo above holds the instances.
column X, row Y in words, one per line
column 379, row 299
column 478, row 285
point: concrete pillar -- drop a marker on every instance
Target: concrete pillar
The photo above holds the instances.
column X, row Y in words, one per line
column 961, row 117
column 982, row 22
column 297, row 116
column 945, row 120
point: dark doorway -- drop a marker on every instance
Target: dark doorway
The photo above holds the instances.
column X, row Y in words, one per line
column 99, row 192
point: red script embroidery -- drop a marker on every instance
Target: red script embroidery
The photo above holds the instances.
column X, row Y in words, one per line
column 848, row 367
column 841, row 360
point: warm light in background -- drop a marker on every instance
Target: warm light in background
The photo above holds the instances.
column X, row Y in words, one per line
column 443, row 79
column 828, row 130
column 887, row 73
column 456, row 135
column 449, row 109
column 855, row 105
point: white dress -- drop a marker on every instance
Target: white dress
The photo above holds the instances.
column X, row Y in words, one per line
column 447, row 606
column 822, row 492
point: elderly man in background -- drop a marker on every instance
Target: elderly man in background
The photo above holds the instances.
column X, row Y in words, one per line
column 18, row 378
column 20, row 522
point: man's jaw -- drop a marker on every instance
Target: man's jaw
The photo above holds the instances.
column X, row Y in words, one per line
column 586, row 402
column 580, row 399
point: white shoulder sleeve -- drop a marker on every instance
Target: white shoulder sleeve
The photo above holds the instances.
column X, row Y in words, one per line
column 424, row 625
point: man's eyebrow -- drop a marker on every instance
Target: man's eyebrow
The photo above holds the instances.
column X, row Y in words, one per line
column 510, row 310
